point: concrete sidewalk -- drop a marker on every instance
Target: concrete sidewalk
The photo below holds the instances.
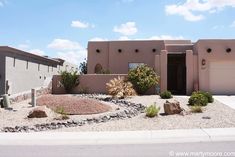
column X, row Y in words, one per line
column 227, row 100
column 121, row 137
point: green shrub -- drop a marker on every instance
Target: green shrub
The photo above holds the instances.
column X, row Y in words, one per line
column 143, row 78
column 198, row 99
column 69, row 80
column 152, row 111
column 196, row 109
column 208, row 95
column 166, row 95
column 60, row 110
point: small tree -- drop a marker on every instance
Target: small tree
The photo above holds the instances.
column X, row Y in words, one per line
column 83, row 67
column 69, row 80
column 143, row 78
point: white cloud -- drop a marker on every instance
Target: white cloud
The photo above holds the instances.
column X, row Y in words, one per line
column 80, row 24
column 26, row 47
column 126, row 29
column 166, row 37
column 98, row 39
column 23, row 46
column 160, row 37
column 37, row 52
column 71, row 51
column 74, row 57
column 124, row 38
column 64, row 45
column 218, row 27
column 232, row 24
column 188, row 9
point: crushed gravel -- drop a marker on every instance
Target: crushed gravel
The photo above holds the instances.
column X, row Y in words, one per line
column 73, row 105
column 220, row 116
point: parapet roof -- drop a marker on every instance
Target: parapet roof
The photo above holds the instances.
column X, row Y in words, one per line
column 24, row 53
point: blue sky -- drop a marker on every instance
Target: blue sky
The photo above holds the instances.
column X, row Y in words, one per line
column 62, row 28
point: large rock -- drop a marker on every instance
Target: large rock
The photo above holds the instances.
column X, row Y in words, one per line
column 38, row 112
column 172, row 107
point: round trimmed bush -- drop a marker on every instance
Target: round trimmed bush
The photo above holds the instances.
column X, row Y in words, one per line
column 208, row 95
column 143, row 78
column 166, row 95
column 198, row 99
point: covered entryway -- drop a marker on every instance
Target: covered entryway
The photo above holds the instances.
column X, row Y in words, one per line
column 176, row 73
column 222, row 77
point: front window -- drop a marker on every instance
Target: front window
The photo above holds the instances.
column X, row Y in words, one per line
column 134, row 65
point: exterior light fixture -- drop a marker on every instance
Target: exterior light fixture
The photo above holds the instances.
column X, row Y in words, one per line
column 136, row 50
column 98, row 50
column 119, row 50
column 203, row 62
column 228, row 50
column 154, row 50
column 209, row 50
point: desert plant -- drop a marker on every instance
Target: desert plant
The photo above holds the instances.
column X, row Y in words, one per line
column 120, row 88
column 60, row 110
column 69, row 80
column 143, row 78
column 152, row 111
column 198, row 99
column 166, row 95
column 208, row 95
column 196, row 109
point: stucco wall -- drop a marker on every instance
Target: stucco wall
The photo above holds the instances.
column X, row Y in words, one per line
column 97, row 58
column 91, row 83
column 23, row 77
column 2, row 74
column 118, row 62
column 20, row 71
column 218, row 54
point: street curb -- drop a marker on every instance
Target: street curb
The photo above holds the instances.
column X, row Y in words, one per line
column 119, row 137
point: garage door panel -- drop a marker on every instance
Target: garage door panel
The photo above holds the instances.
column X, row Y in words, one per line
column 222, row 77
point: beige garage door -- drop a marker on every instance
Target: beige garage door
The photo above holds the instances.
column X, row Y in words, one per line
column 222, row 77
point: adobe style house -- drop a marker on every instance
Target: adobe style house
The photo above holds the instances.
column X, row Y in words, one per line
column 21, row 71
column 183, row 66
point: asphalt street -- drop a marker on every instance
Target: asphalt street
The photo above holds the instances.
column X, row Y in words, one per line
column 122, row 150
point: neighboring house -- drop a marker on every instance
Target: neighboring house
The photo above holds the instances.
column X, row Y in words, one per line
column 20, row 71
column 183, row 66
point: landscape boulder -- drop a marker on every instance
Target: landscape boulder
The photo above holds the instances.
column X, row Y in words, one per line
column 172, row 107
column 38, row 112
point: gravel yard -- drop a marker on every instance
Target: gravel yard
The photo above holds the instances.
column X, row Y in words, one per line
column 73, row 105
column 215, row 115
column 220, row 115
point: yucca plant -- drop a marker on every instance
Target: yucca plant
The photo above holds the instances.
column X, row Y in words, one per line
column 152, row 111
column 120, row 88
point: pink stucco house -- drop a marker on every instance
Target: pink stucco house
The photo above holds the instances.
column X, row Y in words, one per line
column 183, row 66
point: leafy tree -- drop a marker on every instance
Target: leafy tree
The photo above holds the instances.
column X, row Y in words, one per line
column 83, row 67
column 69, row 80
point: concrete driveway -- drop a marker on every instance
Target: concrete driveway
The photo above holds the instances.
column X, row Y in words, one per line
column 227, row 100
